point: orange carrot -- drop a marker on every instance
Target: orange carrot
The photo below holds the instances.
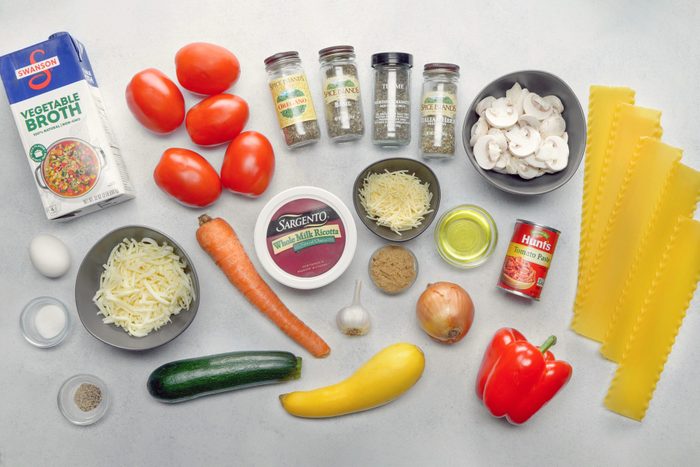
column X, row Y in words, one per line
column 218, row 238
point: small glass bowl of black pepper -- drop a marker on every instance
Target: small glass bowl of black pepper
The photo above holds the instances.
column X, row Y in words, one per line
column 83, row 399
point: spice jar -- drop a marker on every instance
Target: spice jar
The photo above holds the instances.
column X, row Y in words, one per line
column 292, row 99
column 392, row 102
column 438, row 110
column 341, row 93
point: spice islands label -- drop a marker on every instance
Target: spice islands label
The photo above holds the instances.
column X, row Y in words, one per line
column 338, row 88
column 439, row 104
column 305, row 237
column 292, row 100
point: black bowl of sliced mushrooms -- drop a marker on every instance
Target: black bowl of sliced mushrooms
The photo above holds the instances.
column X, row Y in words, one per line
column 525, row 133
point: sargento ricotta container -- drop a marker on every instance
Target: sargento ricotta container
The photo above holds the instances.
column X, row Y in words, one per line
column 58, row 110
column 305, row 237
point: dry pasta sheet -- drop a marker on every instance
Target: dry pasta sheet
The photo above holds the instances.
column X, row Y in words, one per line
column 657, row 323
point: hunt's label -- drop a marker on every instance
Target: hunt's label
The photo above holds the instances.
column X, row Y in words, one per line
column 439, row 104
column 58, row 111
column 528, row 259
column 341, row 88
column 292, row 99
column 305, row 237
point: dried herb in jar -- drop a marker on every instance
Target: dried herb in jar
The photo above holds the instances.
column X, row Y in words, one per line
column 439, row 110
column 292, row 99
column 392, row 98
column 341, row 93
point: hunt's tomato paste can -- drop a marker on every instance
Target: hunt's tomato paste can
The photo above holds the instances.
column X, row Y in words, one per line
column 528, row 259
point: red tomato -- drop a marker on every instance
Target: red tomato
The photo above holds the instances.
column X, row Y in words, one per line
column 187, row 177
column 206, row 68
column 155, row 101
column 248, row 164
column 217, row 119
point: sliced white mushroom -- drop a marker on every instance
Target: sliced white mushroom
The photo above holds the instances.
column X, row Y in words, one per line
column 501, row 114
column 503, row 160
column 535, row 162
column 565, row 137
column 513, row 94
column 552, row 126
column 530, row 121
column 511, row 166
column 553, row 148
column 479, row 129
column 555, row 102
column 519, row 104
column 482, row 150
column 536, row 106
column 523, row 140
column 500, row 137
column 526, row 171
column 557, row 164
column 484, row 104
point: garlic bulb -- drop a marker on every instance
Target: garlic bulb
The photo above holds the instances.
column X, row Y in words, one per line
column 354, row 320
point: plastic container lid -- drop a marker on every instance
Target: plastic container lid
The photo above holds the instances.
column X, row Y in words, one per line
column 305, row 237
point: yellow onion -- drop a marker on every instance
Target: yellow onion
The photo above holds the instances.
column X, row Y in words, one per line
column 445, row 311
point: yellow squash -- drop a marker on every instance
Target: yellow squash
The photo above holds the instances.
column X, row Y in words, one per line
column 382, row 379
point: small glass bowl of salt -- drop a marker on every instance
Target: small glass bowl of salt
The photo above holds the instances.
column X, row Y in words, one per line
column 45, row 322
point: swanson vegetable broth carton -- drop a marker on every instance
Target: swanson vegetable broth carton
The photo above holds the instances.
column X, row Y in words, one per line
column 61, row 120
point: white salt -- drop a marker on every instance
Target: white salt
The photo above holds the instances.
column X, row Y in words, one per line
column 50, row 321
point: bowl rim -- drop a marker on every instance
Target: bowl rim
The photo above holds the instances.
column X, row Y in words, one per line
column 470, row 156
column 195, row 284
column 409, row 234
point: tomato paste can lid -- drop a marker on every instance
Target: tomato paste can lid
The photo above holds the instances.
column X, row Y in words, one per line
column 270, row 247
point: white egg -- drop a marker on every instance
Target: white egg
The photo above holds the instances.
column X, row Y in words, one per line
column 49, row 255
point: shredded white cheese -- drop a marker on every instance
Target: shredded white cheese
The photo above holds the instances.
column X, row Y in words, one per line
column 397, row 200
column 143, row 284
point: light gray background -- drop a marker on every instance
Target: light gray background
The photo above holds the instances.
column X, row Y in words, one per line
column 649, row 46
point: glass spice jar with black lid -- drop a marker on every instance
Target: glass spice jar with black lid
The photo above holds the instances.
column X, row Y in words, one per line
column 392, row 98
column 341, row 93
column 292, row 99
column 438, row 110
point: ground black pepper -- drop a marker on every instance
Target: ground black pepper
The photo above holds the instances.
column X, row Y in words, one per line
column 87, row 397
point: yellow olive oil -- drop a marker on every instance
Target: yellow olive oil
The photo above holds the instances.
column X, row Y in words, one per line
column 466, row 236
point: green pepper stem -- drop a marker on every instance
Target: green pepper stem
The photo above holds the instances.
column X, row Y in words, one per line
column 551, row 340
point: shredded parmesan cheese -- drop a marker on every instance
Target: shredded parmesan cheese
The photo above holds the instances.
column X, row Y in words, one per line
column 397, row 200
column 143, row 284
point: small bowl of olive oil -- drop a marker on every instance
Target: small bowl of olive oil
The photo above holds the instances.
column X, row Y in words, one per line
column 466, row 236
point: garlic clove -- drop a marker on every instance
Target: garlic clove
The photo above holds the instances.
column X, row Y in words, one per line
column 354, row 320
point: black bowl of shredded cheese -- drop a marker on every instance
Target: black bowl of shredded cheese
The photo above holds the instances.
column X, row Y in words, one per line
column 136, row 289
column 397, row 198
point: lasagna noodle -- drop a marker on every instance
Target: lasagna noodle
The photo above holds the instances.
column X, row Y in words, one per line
column 602, row 102
column 629, row 125
column 634, row 213
column 657, row 324
column 679, row 201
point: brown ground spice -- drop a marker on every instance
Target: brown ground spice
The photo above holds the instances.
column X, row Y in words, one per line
column 393, row 268
column 87, row 397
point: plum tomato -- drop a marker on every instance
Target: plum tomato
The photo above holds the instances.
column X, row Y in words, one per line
column 187, row 177
column 155, row 101
column 206, row 69
column 216, row 119
column 248, row 165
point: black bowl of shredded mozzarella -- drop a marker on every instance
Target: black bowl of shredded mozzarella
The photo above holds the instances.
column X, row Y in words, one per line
column 136, row 289
column 397, row 198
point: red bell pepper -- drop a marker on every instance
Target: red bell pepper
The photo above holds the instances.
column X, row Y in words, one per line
column 516, row 378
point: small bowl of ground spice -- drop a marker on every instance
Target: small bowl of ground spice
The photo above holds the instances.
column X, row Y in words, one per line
column 83, row 399
column 393, row 269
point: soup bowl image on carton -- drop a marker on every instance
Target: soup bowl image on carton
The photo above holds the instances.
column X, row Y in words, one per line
column 62, row 122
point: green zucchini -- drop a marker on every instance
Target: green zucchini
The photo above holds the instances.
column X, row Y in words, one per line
column 183, row 380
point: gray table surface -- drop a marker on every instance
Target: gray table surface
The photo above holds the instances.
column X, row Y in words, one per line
column 649, row 46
